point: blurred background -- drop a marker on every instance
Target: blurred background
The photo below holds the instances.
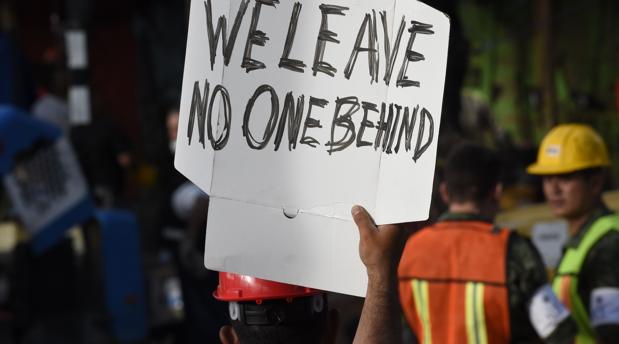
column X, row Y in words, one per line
column 101, row 240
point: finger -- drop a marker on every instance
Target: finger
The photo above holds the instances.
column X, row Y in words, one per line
column 362, row 219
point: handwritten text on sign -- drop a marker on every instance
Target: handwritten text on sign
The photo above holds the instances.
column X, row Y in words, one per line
column 292, row 119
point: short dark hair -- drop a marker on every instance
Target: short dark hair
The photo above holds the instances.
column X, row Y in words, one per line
column 472, row 172
column 281, row 322
column 590, row 172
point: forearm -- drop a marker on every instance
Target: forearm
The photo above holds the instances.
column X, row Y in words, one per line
column 380, row 318
column 380, row 249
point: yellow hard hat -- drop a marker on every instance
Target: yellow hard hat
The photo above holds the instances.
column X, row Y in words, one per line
column 569, row 148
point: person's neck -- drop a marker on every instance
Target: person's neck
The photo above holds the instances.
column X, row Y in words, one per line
column 471, row 208
column 575, row 224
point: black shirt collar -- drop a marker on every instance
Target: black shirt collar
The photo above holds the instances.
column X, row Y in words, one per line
column 601, row 210
column 447, row 216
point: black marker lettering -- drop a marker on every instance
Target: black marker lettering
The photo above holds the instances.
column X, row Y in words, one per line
column 419, row 151
column 325, row 36
column 268, row 132
column 213, row 37
column 407, row 128
column 389, row 56
column 387, row 128
column 381, row 126
column 198, row 105
column 371, row 49
column 343, row 121
column 311, row 122
column 412, row 56
column 365, row 123
column 294, row 121
column 220, row 142
column 395, row 122
column 255, row 37
column 286, row 62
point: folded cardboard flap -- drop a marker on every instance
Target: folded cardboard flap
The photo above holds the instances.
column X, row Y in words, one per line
column 309, row 250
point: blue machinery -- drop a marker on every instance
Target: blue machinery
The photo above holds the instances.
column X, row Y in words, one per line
column 49, row 195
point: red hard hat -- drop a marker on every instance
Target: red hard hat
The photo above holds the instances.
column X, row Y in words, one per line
column 234, row 287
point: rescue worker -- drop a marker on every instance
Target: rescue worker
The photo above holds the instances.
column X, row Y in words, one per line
column 572, row 160
column 269, row 312
column 465, row 280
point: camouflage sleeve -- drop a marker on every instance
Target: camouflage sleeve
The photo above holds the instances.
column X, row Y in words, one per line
column 526, row 276
column 599, row 286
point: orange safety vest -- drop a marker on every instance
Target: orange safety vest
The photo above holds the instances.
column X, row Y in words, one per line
column 453, row 283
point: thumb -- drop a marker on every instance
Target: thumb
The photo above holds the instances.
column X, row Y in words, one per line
column 362, row 219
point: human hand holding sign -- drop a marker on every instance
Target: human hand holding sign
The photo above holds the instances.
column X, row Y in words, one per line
column 380, row 248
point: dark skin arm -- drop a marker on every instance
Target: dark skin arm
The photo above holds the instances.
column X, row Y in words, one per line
column 380, row 248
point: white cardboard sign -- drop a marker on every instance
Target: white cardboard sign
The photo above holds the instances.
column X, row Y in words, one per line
column 293, row 111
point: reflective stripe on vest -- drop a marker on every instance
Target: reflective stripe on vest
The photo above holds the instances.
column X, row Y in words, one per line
column 475, row 318
column 565, row 284
column 453, row 283
column 420, row 294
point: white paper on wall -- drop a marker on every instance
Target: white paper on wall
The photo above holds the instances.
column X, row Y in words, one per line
column 77, row 49
column 79, row 105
